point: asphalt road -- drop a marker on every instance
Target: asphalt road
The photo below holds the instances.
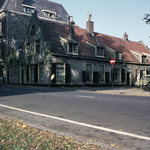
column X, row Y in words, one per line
column 106, row 117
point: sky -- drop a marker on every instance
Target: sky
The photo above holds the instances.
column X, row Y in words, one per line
column 112, row 17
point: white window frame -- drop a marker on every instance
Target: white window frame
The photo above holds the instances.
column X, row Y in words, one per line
column 60, row 72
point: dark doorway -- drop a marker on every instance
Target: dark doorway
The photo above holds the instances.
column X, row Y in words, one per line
column 22, row 77
column 128, row 79
column 7, row 77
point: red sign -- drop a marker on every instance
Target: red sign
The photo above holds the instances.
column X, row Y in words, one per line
column 112, row 61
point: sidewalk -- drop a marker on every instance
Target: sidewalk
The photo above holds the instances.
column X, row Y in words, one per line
column 119, row 90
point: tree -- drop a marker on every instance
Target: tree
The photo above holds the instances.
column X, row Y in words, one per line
column 147, row 18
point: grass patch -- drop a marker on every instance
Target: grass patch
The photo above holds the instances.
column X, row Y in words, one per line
column 19, row 136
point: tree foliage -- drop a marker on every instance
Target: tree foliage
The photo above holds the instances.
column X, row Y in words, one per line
column 147, row 18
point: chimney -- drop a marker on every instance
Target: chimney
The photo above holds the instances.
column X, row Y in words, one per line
column 18, row 5
column 125, row 36
column 90, row 24
column 71, row 28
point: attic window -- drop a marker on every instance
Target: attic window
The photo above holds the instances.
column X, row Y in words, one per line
column 49, row 14
column 72, row 48
column 118, row 56
column 28, row 9
column 100, row 51
column 143, row 59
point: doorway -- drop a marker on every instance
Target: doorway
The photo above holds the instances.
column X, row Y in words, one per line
column 128, row 79
column 7, row 77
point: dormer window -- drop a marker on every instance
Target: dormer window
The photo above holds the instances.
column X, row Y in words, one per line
column 143, row 59
column 49, row 14
column 70, row 46
column 28, row 9
column 118, row 56
column 100, row 51
column 73, row 48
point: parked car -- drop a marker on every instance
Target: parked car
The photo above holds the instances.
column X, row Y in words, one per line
column 1, row 81
column 143, row 82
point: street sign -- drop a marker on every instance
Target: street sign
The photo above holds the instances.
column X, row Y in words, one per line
column 112, row 61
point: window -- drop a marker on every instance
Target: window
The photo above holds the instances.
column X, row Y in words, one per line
column 41, row 72
column 88, row 72
column 142, row 72
column 143, row 59
column 118, row 56
column 49, row 14
column 116, row 74
column 15, row 72
column 28, row 9
column 101, row 72
column 32, row 72
column 100, row 51
column 59, row 72
column 72, row 48
column 32, row 30
column 28, row 45
column 37, row 46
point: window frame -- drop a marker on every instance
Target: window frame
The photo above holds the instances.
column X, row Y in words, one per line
column 116, row 73
column 102, row 72
column 60, row 75
column 87, row 72
column 102, row 49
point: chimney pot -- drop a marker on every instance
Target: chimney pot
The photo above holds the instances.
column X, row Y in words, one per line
column 90, row 24
column 71, row 28
column 125, row 36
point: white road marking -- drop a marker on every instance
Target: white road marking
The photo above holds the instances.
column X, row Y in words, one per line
column 85, row 96
column 80, row 123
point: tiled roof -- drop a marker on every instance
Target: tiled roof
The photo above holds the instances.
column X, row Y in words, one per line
column 40, row 5
column 54, row 31
column 124, row 46
column 1, row 3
